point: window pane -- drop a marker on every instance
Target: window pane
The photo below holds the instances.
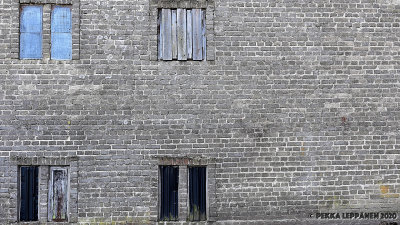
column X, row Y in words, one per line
column 61, row 46
column 31, row 32
column 61, row 19
column 61, row 36
column 31, row 19
column 31, row 45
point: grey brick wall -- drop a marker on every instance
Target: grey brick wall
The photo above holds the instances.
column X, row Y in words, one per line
column 295, row 112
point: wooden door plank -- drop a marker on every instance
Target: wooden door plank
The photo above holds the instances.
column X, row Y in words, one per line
column 60, row 195
column 189, row 35
column 174, row 37
column 167, row 34
column 181, row 34
column 197, row 35
column 203, row 28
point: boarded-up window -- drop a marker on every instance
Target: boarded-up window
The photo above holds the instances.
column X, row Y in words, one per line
column 169, row 176
column 181, row 34
column 28, row 209
column 197, row 193
column 31, row 32
column 61, row 35
column 58, row 194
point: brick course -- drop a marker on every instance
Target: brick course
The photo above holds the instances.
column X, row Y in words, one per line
column 295, row 111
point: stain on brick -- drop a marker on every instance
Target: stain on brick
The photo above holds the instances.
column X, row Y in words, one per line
column 386, row 192
column 384, row 189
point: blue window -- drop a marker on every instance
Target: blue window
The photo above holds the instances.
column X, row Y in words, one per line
column 31, row 32
column 61, row 35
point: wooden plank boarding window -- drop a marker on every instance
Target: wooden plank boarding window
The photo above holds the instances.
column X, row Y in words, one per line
column 61, row 33
column 29, row 182
column 169, row 176
column 181, row 34
column 31, row 32
column 197, row 193
column 58, row 194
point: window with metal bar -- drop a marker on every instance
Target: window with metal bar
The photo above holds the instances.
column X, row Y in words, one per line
column 181, row 34
column 197, row 193
column 169, row 176
column 29, row 180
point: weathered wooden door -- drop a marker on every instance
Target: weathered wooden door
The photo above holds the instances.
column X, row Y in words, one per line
column 58, row 194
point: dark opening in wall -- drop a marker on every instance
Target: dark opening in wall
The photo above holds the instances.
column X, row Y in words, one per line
column 169, row 180
column 29, row 193
column 197, row 193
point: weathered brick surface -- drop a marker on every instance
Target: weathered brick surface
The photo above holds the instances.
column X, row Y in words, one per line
column 297, row 113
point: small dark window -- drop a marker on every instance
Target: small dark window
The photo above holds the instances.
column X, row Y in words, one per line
column 197, row 193
column 169, row 176
column 29, row 193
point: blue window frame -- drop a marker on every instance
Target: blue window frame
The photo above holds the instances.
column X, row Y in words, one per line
column 31, row 32
column 61, row 33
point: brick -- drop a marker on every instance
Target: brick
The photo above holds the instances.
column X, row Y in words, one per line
column 294, row 112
